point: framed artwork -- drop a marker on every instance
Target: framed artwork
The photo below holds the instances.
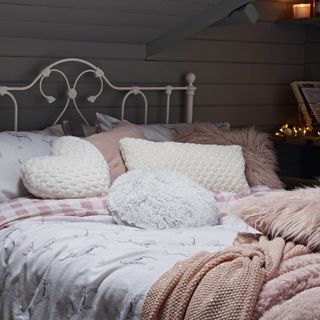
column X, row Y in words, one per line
column 307, row 94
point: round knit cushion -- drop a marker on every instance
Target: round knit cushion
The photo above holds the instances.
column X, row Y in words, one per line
column 160, row 199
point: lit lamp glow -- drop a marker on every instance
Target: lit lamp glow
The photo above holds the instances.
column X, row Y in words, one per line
column 301, row 10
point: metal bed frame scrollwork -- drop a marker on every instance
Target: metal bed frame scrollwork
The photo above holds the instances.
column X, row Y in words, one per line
column 99, row 74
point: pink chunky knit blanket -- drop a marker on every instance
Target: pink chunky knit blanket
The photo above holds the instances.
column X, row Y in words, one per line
column 255, row 279
column 293, row 293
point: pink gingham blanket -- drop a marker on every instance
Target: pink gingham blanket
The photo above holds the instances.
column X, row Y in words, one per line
column 225, row 199
column 23, row 208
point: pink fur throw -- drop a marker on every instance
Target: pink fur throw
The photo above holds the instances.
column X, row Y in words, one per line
column 294, row 291
column 293, row 215
column 257, row 148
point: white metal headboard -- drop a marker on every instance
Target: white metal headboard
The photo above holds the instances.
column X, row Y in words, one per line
column 98, row 73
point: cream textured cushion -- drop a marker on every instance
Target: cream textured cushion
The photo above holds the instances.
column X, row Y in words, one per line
column 75, row 169
column 257, row 147
column 161, row 199
column 217, row 168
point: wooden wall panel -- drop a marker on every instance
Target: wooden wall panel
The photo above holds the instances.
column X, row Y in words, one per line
column 76, row 17
column 84, row 33
column 163, row 7
column 243, row 72
column 312, row 64
column 26, row 69
column 31, row 47
column 236, row 52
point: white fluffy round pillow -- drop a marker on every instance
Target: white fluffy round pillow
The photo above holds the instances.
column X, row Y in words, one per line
column 160, row 199
column 75, row 169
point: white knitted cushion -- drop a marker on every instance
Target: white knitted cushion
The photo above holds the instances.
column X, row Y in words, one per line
column 160, row 199
column 75, row 169
column 217, row 168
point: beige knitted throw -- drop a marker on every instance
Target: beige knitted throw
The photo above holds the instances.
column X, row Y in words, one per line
column 221, row 285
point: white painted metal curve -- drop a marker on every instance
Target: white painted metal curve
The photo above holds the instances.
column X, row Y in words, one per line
column 99, row 73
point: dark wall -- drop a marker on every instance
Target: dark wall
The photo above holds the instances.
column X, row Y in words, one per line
column 312, row 60
column 243, row 72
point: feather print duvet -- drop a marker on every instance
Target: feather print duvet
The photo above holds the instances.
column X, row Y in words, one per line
column 89, row 268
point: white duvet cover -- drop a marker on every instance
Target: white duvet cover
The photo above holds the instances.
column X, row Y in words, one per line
column 89, row 268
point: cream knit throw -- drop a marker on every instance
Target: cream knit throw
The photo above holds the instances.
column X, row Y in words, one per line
column 221, row 285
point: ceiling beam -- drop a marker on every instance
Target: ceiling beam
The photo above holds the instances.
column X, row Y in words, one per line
column 210, row 16
column 247, row 14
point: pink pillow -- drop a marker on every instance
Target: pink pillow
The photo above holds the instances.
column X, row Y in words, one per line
column 108, row 144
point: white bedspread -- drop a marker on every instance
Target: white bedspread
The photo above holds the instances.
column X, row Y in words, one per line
column 89, row 268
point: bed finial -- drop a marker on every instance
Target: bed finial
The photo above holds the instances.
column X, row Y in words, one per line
column 190, row 92
column 191, row 78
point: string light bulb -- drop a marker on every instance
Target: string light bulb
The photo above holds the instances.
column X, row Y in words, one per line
column 287, row 130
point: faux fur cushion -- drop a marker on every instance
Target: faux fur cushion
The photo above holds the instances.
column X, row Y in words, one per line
column 160, row 199
column 293, row 215
column 261, row 161
column 75, row 169
column 217, row 168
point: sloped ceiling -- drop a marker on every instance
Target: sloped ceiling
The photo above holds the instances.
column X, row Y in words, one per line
column 124, row 21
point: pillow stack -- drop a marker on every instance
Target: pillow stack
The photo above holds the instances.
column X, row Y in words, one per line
column 218, row 159
column 78, row 168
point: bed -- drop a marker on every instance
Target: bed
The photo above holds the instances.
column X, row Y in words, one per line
column 68, row 259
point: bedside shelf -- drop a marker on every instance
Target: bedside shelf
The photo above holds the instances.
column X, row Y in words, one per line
column 293, row 182
column 299, row 160
column 306, row 21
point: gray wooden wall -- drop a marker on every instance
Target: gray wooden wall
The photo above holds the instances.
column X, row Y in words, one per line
column 243, row 71
column 312, row 54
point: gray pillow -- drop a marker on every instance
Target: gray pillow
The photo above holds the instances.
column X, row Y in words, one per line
column 152, row 132
column 160, row 199
column 16, row 148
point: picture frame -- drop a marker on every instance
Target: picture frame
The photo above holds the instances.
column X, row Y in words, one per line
column 307, row 94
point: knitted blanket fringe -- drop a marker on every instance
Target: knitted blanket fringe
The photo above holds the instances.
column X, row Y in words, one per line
column 223, row 286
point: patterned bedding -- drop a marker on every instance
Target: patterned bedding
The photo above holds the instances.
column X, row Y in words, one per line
column 73, row 265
